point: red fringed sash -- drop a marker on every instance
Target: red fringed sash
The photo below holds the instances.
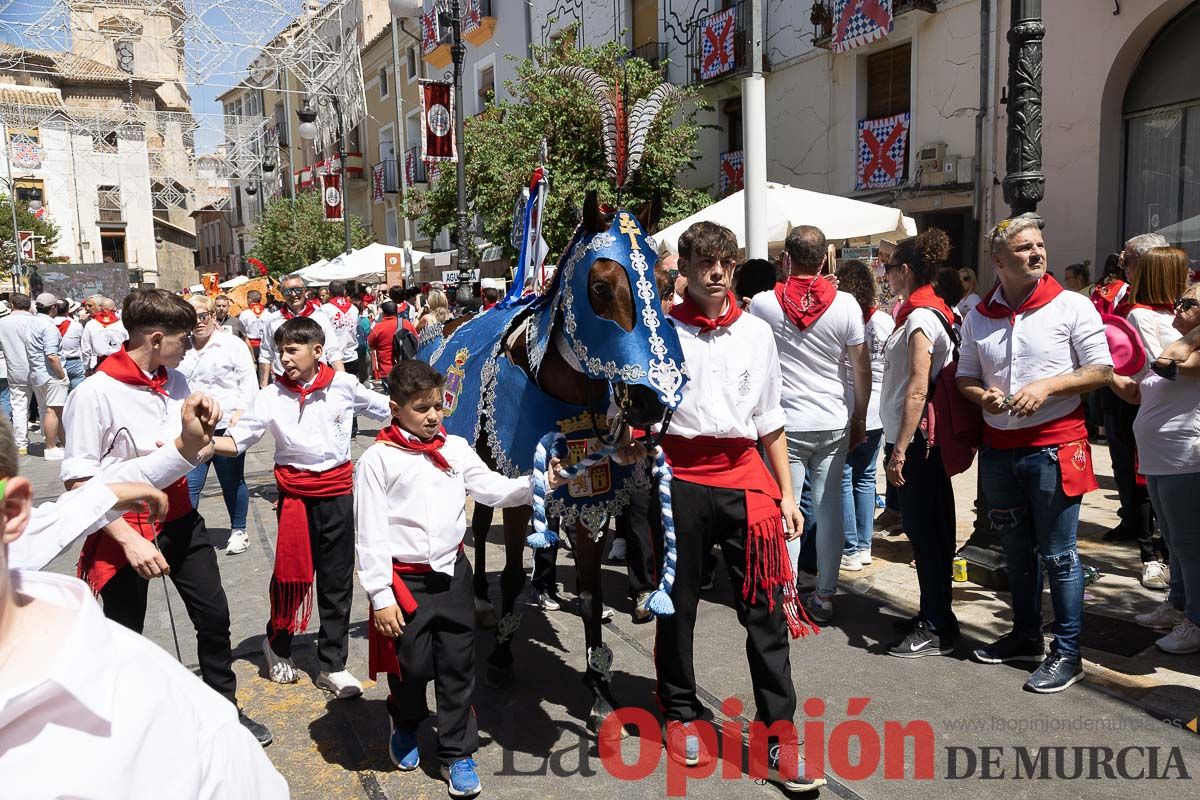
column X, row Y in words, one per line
column 736, row 464
column 381, row 650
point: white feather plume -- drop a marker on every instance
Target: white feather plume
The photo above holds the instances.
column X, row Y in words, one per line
column 608, row 112
column 642, row 118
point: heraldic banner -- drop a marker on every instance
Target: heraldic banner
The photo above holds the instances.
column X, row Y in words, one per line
column 437, row 130
column 717, row 54
column 733, row 172
column 331, row 195
column 882, row 152
column 377, row 182
column 859, row 22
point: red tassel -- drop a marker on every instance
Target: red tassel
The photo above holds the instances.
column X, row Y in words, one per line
column 768, row 566
column 291, row 606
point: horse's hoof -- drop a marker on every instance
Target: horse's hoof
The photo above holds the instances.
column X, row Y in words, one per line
column 596, row 721
column 485, row 614
column 497, row 676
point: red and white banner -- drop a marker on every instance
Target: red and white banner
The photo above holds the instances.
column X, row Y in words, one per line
column 377, row 184
column 733, row 172
column 331, row 196
column 437, row 117
column 859, row 22
column 882, row 152
column 431, row 33
column 27, row 250
column 717, row 54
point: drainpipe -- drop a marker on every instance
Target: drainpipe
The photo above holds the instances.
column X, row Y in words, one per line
column 985, row 61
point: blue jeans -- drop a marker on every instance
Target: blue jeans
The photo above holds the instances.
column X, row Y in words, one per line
column 74, row 368
column 820, row 456
column 231, row 473
column 858, row 493
column 5, row 399
column 1035, row 519
column 1176, row 500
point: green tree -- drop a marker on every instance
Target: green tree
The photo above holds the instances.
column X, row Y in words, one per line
column 293, row 233
column 502, row 149
column 26, row 221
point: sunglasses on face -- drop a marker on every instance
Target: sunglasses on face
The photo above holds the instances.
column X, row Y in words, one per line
column 293, row 291
column 203, row 317
column 1186, row 304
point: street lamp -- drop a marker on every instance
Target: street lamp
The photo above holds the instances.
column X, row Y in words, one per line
column 308, row 131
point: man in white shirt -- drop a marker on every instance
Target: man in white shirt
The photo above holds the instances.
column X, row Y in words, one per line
column 72, row 337
column 135, row 723
column 253, row 319
column 343, row 316
column 1029, row 350
column 294, row 305
column 14, row 333
column 103, row 334
column 47, row 374
column 817, row 329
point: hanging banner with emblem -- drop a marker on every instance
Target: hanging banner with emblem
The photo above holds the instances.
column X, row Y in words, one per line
column 859, row 22
column 733, row 172
column 331, row 196
column 437, row 118
column 377, row 183
column 717, row 50
column 882, row 152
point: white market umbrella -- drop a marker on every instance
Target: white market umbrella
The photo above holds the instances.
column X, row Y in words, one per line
column 839, row 218
column 234, row 282
column 355, row 265
column 1187, row 230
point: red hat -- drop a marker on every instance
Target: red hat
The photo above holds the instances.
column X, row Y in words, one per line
column 1128, row 353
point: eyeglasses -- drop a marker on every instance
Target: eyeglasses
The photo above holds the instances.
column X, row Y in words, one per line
column 294, row 290
column 203, row 317
column 1186, row 304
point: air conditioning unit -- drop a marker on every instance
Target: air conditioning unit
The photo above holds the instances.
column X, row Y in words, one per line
column 931, row 157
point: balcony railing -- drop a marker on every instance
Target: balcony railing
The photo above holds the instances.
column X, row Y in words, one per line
column 713, row 37
column 653, row 53
column 415, row 168
column 391, row 177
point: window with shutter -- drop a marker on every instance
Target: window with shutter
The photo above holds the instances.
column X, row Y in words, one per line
column 889, row 76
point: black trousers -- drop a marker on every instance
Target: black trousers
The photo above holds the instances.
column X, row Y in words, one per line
column 706, row 516
column 331, row 536
column 927, row 510
column 633, row 525
column 1136, row 513
column 438, row 644
column 185, row 545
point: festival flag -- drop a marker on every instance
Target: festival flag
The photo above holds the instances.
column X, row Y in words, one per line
column 859, row 22
column 717, row 54
column 28, row 252
column 377, row 183
column 437, row 130
column 882, row 152
column 331, row 196
column 431, row 33
column 733, row 172
column 24, row 151
column 533, row 247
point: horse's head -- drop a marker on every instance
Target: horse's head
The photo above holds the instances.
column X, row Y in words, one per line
column 613, row 322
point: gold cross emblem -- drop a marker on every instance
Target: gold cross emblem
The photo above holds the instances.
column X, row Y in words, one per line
column 629, row 227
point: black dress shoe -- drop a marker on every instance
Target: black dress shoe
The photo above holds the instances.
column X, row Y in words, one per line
column 259, row 731
column 1056, row 673
column 1011, row 647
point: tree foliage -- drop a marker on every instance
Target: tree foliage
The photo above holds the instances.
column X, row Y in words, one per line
column 502, row 149
column 26, row 221
column 292, row 233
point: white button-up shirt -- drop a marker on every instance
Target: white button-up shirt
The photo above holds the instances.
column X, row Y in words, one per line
column 267, row 354
column 72, row 339
column 253, row 323
column 223, row 368
column 345, row 324
column 110, row 421
column 407, row 509
column 99, row 340
column 316, row 438
column 734, row 383
column 1047, row 342
column 113, row 717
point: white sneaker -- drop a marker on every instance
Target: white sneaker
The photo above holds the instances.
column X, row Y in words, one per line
column 238, row 542
column 851, row 563
column 1155, row 576
column 1163, row 617
column 53, row 454
column 617, row 551
column 1184, row 639
column 341, row 685
column 864, row 557
column 279, row 669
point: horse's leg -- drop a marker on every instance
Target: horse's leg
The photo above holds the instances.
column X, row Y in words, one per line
column 589, row 555
column 481, row 523
column 512, row 581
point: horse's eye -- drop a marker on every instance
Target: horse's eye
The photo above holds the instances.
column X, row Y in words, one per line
column 601, row 289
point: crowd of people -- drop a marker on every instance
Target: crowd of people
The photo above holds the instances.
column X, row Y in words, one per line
column 801, row 376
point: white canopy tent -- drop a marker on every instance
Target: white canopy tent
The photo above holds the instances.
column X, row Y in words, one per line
column 355, row 265
column 839, row 218
column 1187, row 230
column 234, row 282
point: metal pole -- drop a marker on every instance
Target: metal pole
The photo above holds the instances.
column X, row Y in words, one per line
column 754, row 136
column 400, row 154
column 458, row 51
column 337, row 107
column 12, row 204
column 1024, row 183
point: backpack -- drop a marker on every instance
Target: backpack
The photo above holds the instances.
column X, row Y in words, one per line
column 951, row 421
column 404, row 341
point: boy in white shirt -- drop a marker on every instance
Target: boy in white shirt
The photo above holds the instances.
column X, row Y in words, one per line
column 309, row 410
column 410, row 521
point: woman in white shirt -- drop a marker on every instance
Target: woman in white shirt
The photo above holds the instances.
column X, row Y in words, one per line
column 1167, row 430
column 221, row 364
column 915, row 355
column 858, row 476
column 971, row 296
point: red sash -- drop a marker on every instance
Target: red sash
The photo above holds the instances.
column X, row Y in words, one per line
column 688, row 312
column 292, row 579
column 255, row 342
column 805, row 299
column 1069, row 434
column 736, row 464
column 381, row 650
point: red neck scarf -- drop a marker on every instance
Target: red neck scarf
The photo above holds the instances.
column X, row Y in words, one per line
column 324, row 377
column 121, row 367
column 689, row 313
column 62, row 326
column 309, row 308
column 344, row 304
column 805, row 298
column 924, row 297
column 402, row 309
column 257, row 308
column 105, row 317
column 397, row 437
column 292, row 580
column 868, row 313
column 1046, row 290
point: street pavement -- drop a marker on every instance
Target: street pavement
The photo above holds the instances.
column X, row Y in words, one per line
column 534, row 743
